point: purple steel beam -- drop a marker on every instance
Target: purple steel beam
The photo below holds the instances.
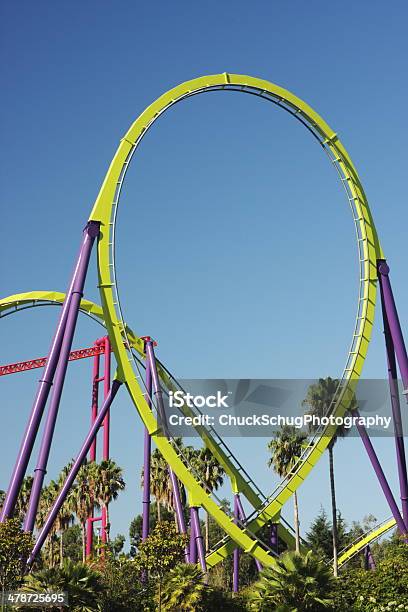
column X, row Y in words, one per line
column 243, row 519
column 235, row 567
column 61, row 370
column 369, row 562
column 380, row 475
column 193, row 543
column 198, row 538
column 30, row 434
column 274, row 537
column 160, row 407
column 395, row 402
column 393, row 320
column 146, row 462
column 52, row 515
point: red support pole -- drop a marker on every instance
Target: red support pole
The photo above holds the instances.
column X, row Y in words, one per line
column 92, row 451
column 106, row 431
column 106, row 388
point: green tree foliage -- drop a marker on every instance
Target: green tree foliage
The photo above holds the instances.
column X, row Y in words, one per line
column 65, row 516
column 162, row 550
column 23, row 498
column 183, row 589
column 82, row 584
column 320, row 535
column 286, row 448
column 294, row 583
column 83, row 499
column 160, row 482
column 122, row 587
column 385, row 588
column 107, row 482
column 211, row 474
column 15, row 547
column 116, row 545
column 72, row 542
column 135, row 528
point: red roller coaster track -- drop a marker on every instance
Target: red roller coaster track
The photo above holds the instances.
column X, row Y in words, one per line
column 32, row 364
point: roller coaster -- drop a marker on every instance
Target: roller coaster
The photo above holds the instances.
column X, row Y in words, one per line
column 147, row 379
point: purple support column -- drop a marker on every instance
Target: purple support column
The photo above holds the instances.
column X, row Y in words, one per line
column 193, row 543
column 243, row 519
column 393, row 321
column 76, row 296
column 235, row 566
column 380, row 475
column 369, row 562
column 73, row 472
column 23, row 457
column 198, row 538
column 274, row 537
column 146, row 462
column 394, row 392
column 160, row 407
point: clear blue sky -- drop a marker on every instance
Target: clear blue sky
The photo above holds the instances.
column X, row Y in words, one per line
column 236, row 243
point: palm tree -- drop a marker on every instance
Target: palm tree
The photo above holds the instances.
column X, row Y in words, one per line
column 24, row 498
column 286, row 448
column 48, row 495
column 108, row 482
column 160, row 485
column 183, row 589
column 319, row 399
column 211, row 474
column 82, row 584
column 65, row 516
column 83, row 500
column 294, row 582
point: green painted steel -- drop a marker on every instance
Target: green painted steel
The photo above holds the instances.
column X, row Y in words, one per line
column 367, row 538
column 369, row 250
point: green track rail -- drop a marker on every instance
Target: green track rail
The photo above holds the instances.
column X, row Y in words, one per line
column 367, row 538
column 123, row 341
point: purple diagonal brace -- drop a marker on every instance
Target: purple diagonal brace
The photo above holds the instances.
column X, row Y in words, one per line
column 242, row 516
column 193, row 543
column 73, row 472
column 274, row 537
column 380, row 475
column 43, row 390
column 394, row 392
column 76, row 296
column 160, row 407
column 146, row 460
column 198, row 538
column 393, row 320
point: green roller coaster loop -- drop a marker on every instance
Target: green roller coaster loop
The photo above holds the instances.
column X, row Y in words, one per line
column 123, row 340
column 31, row 299
column 369, row 250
